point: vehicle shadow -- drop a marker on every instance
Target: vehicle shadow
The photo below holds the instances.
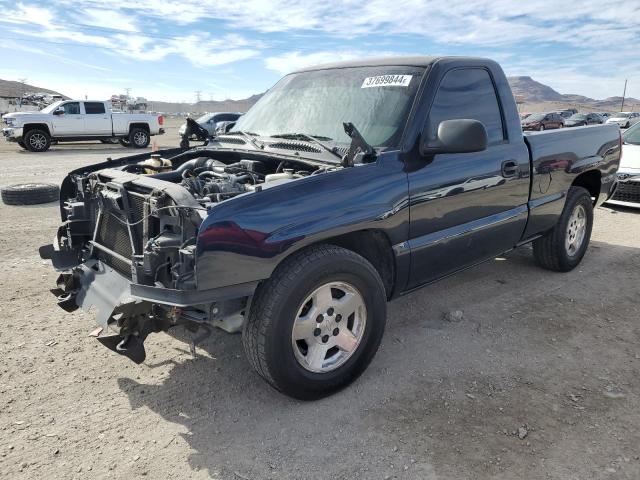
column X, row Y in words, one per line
column 239, row 427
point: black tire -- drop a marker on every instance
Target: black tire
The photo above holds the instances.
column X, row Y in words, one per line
column 139, row 138
column 22, row 145
column 30, row 193
column 37, row 140
column 550, row 251
column 109, row 141
column 267, row 334
column 124, row 142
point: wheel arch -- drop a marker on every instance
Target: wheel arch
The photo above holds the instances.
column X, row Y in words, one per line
column 591, row 180
column 36, row 126
column 371, row 244
column 144, row 126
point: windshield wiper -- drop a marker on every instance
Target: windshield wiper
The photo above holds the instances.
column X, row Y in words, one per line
column 247, row 136
column 310, row 138
column 359, row 149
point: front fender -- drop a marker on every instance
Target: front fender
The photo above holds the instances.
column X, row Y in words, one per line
column 244, row 239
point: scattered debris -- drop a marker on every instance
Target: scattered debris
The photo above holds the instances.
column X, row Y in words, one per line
column 611, row 394
column 454, row 316
column 523, row 432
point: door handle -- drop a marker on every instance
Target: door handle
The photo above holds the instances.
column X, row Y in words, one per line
column 509, row 168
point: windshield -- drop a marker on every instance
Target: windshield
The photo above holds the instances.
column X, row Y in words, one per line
column 51, row 107
column 535, row 117
column 632, row 136
column 205, row 118
column 621, row 115
column 376, row 99
column 578, row 116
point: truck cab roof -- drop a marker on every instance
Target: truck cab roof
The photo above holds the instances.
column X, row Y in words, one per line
column 408, row 60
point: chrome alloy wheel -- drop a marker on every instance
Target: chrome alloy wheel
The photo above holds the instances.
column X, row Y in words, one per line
column 328, row 327
column 576, row 230
column 38, row 141
column 140, row 138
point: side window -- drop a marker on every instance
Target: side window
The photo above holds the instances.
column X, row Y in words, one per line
column 72, row 108
column 226, row 117
column 94, row 108
column 467, row 93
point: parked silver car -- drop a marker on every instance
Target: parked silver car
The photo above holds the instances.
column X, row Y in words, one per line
column 627, row 191
column 213, row 121
column 624, row 119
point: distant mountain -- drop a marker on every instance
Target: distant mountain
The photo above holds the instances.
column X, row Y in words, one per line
column 205, row 106
column 11, row 89
column 533, row 91
column 530, row 91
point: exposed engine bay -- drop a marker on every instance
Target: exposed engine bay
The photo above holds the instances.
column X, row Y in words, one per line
column 130, row 237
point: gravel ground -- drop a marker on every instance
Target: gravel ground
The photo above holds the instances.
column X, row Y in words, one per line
column 537, row 378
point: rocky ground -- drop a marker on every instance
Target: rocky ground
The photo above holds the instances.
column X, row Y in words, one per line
column 504, row 371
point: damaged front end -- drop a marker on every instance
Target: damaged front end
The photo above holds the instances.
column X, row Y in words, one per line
column 127, row 247
column 125, row 230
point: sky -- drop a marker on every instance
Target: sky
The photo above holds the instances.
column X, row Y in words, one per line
column 166, row 50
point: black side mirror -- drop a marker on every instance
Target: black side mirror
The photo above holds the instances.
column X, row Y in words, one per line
column 457, row 136
column 58, row 111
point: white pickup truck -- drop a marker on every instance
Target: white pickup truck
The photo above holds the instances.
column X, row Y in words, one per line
column 76, row 120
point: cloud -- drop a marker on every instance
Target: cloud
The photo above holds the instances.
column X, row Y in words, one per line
column 290, row 61
column 581, row 38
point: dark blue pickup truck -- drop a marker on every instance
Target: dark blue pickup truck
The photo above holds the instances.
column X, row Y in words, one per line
column 345, row 186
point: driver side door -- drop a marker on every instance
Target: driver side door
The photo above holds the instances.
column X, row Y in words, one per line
column 466, row 207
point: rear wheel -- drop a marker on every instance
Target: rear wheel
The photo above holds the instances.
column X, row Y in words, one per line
column 316, row 324
column 139, row 138
column 563, row 247
column 37, row 140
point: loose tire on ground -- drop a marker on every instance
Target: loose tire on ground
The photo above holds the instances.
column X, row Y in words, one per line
column 30, row 193
column 124, row 142
column 22, row 145
column 37, row 140
column 109, row 141
column 559, row 249
column 139, row 138
column 269, row 330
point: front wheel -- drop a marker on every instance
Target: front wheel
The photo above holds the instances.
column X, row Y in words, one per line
column 563, row 247
column 37, row 140
column 316, row 324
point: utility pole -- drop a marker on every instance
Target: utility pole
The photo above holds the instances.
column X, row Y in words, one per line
column 623, row 95
column 198, row 92
column 22, row 81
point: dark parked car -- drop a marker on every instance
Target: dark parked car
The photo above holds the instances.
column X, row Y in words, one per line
column 296, row 228
column 583, row 119
column 543, row 121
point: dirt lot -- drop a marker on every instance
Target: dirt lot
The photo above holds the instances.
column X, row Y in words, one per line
column 554, row 358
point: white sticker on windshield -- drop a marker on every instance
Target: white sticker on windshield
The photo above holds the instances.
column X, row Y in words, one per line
column 387, row 81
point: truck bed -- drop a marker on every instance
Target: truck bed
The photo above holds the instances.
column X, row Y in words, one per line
column 557, row 156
